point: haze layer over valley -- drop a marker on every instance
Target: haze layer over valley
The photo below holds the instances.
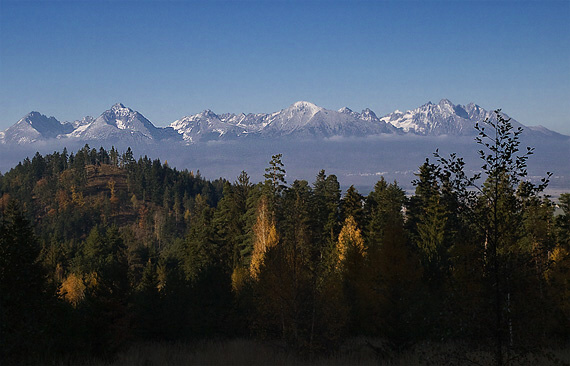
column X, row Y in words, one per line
column 357, row 147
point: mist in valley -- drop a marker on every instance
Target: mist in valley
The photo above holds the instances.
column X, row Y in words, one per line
column 355, row 161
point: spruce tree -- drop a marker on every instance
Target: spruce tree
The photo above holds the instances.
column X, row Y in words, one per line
column 275, row 175
column 326, row 207
column 352, row 205
column 24, row 296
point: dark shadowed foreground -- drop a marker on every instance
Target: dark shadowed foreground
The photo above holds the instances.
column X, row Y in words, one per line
column 359, row 351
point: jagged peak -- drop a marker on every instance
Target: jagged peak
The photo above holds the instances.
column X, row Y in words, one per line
column 446, row 102
column 119, row 109
column 208, row 113
column 473, row 106
column 33, row 114
column 428, row 104
column 368, row 114
column 432, row 119
column 118, row 106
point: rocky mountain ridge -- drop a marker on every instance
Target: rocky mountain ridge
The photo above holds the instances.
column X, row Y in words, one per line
column 300, row 120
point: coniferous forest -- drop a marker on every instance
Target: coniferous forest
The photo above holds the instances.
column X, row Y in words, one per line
column 100, row 250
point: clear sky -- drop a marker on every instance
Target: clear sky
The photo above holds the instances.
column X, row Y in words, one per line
column 168, row 59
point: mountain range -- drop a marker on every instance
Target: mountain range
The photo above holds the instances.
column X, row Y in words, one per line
column 300, row 120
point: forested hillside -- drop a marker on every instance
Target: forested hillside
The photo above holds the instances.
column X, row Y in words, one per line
column 99, row 250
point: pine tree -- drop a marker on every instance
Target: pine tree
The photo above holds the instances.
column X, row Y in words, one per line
column 24, row 296
column 227, row 227
column 114, row 156
column 352, row 205
column 275, row 175
column 325, row 221
column 427, row 186
column 200, row 250
column 127, row 159
column 432, row 230
column 384, row 206
column 148, row 304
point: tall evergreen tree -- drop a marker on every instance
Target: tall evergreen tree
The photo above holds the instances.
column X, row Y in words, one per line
column 384, row 206
column 326, row 207
column 24, row 292
column 275, row 175
column 352, row 204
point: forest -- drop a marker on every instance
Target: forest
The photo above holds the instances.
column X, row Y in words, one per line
column 100, row 250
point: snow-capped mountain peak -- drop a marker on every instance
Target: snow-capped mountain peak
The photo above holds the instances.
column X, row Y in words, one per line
column 42, row 123
column 35, row 126
column 118, row 106
column 207, row 113
column 119, row 123
column 300, row 119
column 306, row 109
column 303, row 105
column 444, row 118
column 207, row 125
column 369, row 115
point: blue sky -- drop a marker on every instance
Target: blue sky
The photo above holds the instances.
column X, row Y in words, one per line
column 168, row 59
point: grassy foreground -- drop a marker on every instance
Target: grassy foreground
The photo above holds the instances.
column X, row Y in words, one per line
column 354, row 352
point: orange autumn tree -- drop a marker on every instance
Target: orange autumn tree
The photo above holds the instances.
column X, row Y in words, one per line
column 73, row 289
column 265, row 237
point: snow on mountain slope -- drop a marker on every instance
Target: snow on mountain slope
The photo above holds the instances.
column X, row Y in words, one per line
column 443, row 118
column 291, row 119
column 115, row 122
column 207, row 126
column 82, row 122
column 119, row 122
column 34, row 127
column 300, row 120
column 306, row 119
column 446, row 118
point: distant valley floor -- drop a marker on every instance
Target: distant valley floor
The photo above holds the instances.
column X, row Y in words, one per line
column 355, row 161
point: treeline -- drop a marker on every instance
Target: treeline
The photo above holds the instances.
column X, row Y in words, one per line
column 98, row 249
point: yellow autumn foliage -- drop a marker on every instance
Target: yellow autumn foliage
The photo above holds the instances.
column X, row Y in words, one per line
column 72, row 289
column 62, row 199
column 559, row 258
column 77, row 197
column 558, row 276
column 265, row 237
column 111, row 184
column 92, row 280
column 350, row 236
column 239, row 278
